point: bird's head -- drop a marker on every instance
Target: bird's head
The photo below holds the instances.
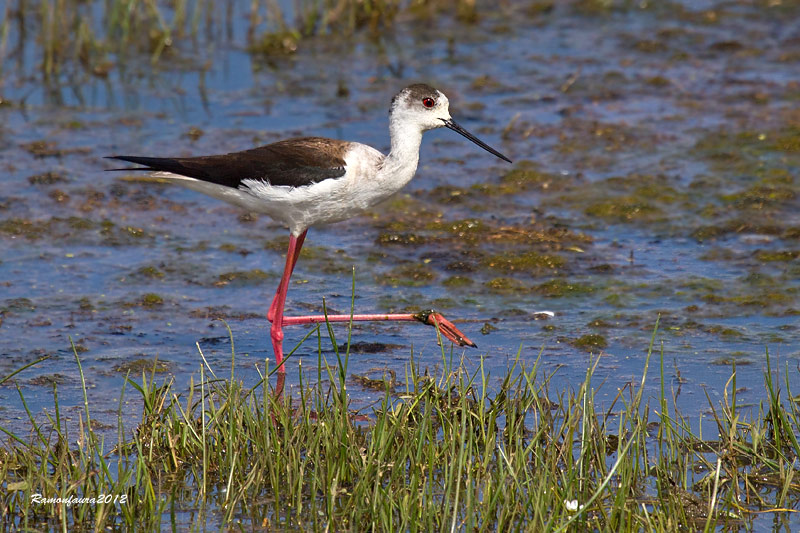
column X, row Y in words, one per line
column 427, row 108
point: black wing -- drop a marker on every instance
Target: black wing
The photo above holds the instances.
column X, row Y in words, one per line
column 293, row 163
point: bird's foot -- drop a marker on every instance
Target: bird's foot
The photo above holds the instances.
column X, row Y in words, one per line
column 445, row 327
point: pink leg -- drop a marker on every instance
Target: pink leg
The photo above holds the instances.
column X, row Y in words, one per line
column 274, row 307
column 275, row 314
column 431, row 318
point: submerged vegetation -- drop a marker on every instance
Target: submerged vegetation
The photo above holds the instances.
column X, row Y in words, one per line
column 95, row 37
column 450, row 449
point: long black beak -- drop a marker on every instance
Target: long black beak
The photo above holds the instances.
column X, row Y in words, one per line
column 453, row 125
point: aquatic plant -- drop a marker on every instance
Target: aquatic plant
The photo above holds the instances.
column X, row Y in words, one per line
column 442, row 449
column 97, row 37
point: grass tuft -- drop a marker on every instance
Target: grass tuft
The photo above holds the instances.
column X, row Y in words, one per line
column 458, row 449
column 75, row 36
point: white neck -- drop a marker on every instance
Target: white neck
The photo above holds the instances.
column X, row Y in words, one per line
column 401, row 163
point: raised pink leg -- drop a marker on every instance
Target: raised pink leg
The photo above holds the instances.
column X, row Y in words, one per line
column 275, row 314
column 431, row 318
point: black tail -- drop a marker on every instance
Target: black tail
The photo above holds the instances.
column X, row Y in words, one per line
column 150, row 163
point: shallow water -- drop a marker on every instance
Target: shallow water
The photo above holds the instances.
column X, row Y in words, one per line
column 656, row 170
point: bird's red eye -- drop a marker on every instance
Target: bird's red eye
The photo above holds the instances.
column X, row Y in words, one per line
column 428, row 102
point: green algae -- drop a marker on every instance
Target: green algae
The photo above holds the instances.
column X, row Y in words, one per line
column 505, row 285
column 540, row 7
column 388, row 381
column 247, row 218
column 625, row 209
column 590, row 342
column 658, row 190
column 199, row 246
column 719, row 253
column 603, row 268
column 599, row 323
column 462, row 266
column 696, row 284
column 650, row 46
column 527, row 175
column 223, row 312
column 410, row 275
column 194, row 133
column 47, row 178
column 758, row 279
column 401, row 239
column 58, row 196
column 528, row 262
column 724, row 331
column 138, row 366
column 49, row 380
column 648, row 198
column 486, row 83
column 618, row 299
column 712, row 329
column 761, row 196
column 707, row 233
column 114, row 235
column 403, row 213
column 461, row 228
column 277, row 43
column 589, row 140
column 487, row 190
column 740, row 225
column 19, row 227
column 734, row 358
column 761, row 299
column 658, row 81
column 151, row 300
column 443, row 303
column 229, row 247
column 134, row 231
column 149, row 272
column 487, row 328
column 450, row 194
column 309, row 252
column 792, row 233
column 747, row 151
column 785, row 140
column 457, row 281
column 42, row 148
column 242, row 277
column 756, row 289
column 18, row 305
column 769, row 256
column 559, row 288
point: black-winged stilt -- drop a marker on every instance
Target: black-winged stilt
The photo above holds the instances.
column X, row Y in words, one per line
column 313, row 180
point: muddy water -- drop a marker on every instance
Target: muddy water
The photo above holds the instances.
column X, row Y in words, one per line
column 655, row 174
